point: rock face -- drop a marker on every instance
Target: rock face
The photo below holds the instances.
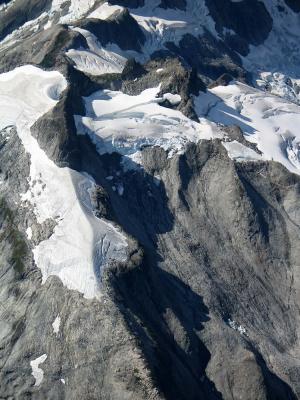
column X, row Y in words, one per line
column 293, row 4
column 122, row 30
column 20, row 12
column 191, row 218
column 209, row 56
column 128, row 3
column 249, row 19
column 205, row 304
column 45, row 48
column 177, row 4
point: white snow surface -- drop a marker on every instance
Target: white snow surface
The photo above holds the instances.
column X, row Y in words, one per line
column 81, row 244
column 162, row 25
column 267, row 120
column 280, row 51
column 29, row 233
column 97, row 60
column 239, row 328
column 118, row 122
column 56, row 325
column 280, row 85
column 77, row 9
column 37, row 372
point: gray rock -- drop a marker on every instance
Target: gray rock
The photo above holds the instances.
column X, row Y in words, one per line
column 249, row 19
column 121, row 28
column 293, row 4
column 19, row 12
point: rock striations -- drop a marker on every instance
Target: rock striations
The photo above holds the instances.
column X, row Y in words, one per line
column 149, row 200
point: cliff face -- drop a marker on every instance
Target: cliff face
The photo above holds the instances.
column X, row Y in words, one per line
column 149, row 201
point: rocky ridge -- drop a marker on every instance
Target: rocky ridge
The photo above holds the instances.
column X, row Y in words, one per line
column 206, row 303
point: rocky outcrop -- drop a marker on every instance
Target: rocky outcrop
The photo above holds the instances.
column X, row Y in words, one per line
column 293, row 4
column 206, row 305
column 249, row 19
column 128, row 3
column 209, row 56
column 206, row 209
column 120, row 28
column 169, row 72
column 56, row 131
column 179, row 4
column 20, row 12
column 45, row 48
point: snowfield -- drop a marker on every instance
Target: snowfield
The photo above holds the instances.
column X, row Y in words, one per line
column 97, row 60
column 81, row 244
column 267, row 120
column 118, row 122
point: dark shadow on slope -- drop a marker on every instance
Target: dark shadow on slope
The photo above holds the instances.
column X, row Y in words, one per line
column 277, row 388
column 219, row 112
column 161, row 311
column 165, row 316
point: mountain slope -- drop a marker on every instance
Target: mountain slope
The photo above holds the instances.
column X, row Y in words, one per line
column 149, row 199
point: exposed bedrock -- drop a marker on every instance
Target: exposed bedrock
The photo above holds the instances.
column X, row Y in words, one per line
column 121, row 28
column 248, row 19
column 171, row 303
column 128, row 3
column 19, row 12
column 179, row 4
column 293, row 4
column 169, row 72
column 209, row 56
column 203, row 210
column 55, row 131
column 45, row 48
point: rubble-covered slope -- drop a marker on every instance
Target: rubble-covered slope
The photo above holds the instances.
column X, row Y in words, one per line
column 149, row 200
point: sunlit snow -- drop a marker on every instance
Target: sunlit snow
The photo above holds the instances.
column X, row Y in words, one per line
column 267, row 120
column 37, row 372
column 56, row 325
column 118, row 122
column 81, row 244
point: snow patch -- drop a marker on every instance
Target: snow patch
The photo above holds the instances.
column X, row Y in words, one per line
column 280, row 51
column 239, row 152
column 173, row 99
column 163, row 25
column 280, row 85
column 37, row 372
column 239, row 328
column 56, row 325
column 29, row 233
column 97, row 60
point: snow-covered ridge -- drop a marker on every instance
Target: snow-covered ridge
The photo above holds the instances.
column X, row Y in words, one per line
column 81, row 244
